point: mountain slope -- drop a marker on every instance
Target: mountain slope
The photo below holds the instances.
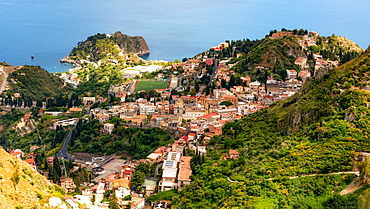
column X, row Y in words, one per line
column 316, row 131
column 36, row 83
column 21, row 186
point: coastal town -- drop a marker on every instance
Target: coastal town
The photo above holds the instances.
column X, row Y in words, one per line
column 217, row 95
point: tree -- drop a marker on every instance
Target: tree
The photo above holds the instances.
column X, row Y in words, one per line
column 138, row 179
column 226, row 103
column 16, row 177
column 364, row 200
column 197, row 87
column 364, row 168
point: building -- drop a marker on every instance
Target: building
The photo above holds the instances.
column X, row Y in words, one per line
column 147, row 109
column 88, row 100
column 301, row 61
column 50, row 161
column 183, row 178
column 137, row 202
column 281, row 35
column 108, row 128
column 304, row 74
column 168, row 181
column 291, row 74
column 67, row 184
column 234, row 154
column 193, row 114
column 231, row 98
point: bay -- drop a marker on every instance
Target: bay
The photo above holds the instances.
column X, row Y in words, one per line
column 49, row 29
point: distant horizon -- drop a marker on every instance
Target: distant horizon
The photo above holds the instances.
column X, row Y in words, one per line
column 173, row 29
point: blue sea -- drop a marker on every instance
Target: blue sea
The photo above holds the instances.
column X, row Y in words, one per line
column 49, row 29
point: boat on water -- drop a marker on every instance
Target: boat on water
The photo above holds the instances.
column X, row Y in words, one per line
column 32, row 57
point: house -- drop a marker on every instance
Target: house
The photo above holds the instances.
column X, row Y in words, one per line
column 17, row 153
column 233, row 154
column 301, row 61
column 304, row 74
column 108, row 128
column 254, row 85
column 50, row 161
column 193, row 114
column 67, row 184
column 210, row 117
column 121, row 187
column 147, row 109
column 246, row 79
column 137, row 202
column 26, row 118
column 291, row 74
column 88, row 100
column 185, row 172
column 231, row 98
column 321, row 62
column 31, row 162
column 154, row 157
column 33, row 148
column 168, row 181
column 237, row 89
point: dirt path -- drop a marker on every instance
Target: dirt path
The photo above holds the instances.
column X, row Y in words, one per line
column 352, row 187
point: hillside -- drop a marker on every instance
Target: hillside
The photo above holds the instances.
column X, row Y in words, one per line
column 317, row 131
column 35, row 83
column 103, row 46
column 23, row 187
column 279, row 54
column 336, row 48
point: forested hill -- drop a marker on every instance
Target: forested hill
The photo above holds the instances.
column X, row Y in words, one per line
column 317, row 131
column 277, row 55
column 35, row 83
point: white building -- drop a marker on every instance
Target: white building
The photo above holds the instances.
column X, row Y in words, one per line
column 193, row 114
column 147, row 110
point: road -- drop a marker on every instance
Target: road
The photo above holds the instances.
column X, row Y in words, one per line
column 63, row 153
column 317, row 174
column 5, row 77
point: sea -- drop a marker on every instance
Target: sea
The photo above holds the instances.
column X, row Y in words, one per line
column 173, row 29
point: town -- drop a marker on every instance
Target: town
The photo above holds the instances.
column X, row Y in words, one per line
column 216, row 95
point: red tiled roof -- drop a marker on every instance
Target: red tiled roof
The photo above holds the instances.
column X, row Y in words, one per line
column 30, row 161
column 209, row 115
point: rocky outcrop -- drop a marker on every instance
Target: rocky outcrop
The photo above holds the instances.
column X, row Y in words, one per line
column 108, row 47
column 131, row 44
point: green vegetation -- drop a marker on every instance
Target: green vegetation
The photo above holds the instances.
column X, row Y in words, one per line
column 35, row 83
column 166, row 195
column 336, row 48
column 316, row 131
column 133, row 143
column 275, row 54
column 148, row 85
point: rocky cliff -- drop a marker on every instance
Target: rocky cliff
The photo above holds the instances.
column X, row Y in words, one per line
column 131, row 44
